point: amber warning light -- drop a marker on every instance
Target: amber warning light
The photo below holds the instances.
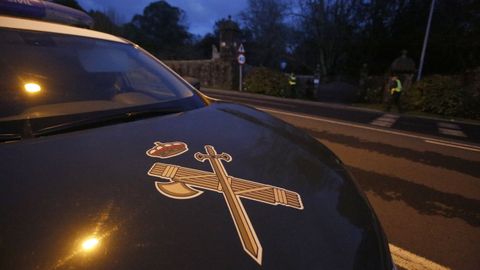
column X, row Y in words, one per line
column 32, row 88
column 90, row 244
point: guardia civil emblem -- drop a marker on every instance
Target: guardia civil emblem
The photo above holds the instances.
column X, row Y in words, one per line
column 185, row 183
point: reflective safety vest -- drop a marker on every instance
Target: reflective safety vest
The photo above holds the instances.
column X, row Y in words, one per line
column 292, row 80
column 398, row 88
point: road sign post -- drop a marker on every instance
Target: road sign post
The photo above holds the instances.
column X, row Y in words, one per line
column 241, row 59
column 240, row 88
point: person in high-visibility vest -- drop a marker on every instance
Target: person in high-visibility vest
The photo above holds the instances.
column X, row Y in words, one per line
column 292, row 81
column 395, row 93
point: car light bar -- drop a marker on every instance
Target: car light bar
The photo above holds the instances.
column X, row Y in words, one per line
column 46, row 11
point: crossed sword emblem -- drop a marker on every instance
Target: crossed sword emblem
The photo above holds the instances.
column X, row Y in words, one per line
column 184, row 184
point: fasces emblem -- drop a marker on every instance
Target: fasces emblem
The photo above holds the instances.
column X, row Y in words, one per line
column 187, row 183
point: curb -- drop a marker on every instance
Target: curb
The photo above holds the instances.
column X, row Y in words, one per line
column 328, row 105
column 280, row 99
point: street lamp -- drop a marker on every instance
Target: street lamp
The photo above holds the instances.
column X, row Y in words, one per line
column 425, row 41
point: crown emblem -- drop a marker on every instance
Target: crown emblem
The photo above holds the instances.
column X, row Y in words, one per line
column 167, row 150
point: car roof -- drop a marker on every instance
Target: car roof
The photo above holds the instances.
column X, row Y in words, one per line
column 40, row 26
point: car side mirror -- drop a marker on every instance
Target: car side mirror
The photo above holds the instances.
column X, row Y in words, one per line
column 193, row 81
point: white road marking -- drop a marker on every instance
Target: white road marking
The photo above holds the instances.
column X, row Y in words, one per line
column 450, row 129
column 448, row 125
column 386, row 120
column 470, row 148
column 410, row 261
column 425, row 138
column 381, row 123
column 452, row 132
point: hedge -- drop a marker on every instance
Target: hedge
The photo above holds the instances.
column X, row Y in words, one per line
column 266, row 81
column 443, row 95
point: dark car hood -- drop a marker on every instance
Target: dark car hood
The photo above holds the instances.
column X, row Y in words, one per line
column 59, row 190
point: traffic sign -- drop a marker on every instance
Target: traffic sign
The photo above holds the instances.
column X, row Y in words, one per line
column 241, row 49
column 241, row 59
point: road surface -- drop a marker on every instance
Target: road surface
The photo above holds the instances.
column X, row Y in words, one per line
column 423, row 185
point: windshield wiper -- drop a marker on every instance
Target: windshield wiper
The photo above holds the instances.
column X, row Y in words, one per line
column 104, row 120
column 10, row 137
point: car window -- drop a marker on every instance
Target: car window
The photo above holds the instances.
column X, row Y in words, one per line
column 41, row 71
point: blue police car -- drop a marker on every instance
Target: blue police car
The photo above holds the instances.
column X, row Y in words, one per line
column 109, row 160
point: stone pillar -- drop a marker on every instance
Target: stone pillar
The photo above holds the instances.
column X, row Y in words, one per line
column 229, row 39
column 229, row 43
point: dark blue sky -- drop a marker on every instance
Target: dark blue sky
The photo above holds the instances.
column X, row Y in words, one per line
column 201, row 14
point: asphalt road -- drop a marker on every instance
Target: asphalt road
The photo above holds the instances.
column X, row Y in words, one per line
column 443, row 128
column 423, row 185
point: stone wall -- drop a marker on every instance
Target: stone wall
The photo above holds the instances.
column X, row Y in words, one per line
column 214, row 73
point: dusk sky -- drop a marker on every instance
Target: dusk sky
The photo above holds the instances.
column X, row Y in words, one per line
column 200, row 15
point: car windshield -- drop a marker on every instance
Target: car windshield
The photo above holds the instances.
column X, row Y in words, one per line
column 47, row 76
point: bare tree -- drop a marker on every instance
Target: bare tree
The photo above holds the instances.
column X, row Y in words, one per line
column 328, row 28
column 264, row 22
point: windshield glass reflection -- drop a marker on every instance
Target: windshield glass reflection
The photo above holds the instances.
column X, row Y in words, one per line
column 40, row 72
